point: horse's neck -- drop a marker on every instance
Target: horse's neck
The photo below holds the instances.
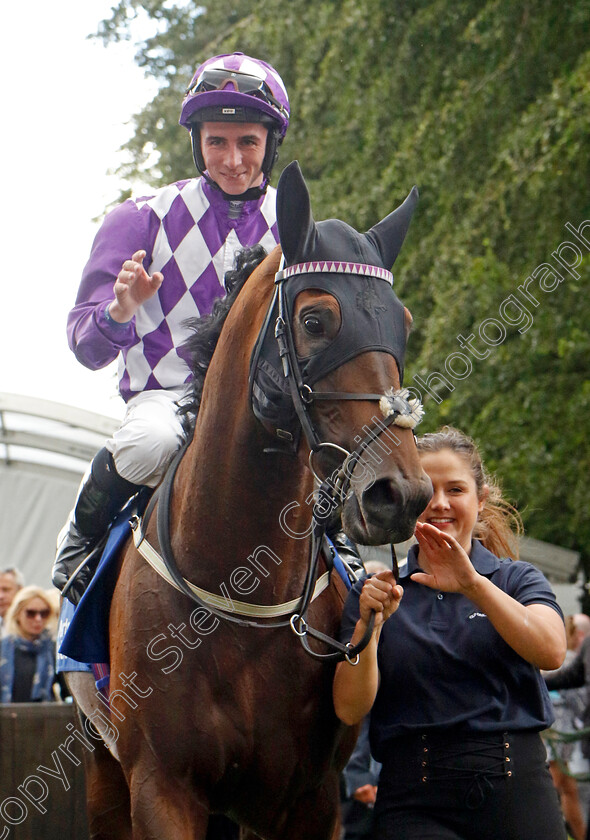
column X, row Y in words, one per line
column 230, row 496
column 233, row 503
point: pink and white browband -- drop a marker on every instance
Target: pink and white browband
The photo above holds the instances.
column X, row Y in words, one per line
column 333, row 267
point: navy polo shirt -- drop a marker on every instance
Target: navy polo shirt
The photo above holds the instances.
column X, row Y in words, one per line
column 442, row 663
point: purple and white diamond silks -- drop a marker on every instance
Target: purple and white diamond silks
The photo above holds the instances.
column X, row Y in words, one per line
column 188, row 235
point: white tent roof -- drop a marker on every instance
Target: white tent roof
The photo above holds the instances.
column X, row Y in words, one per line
column 45, row 448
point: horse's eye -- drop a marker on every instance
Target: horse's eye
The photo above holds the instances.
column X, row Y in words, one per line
column 313, row 325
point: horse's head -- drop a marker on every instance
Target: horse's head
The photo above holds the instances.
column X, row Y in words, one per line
column 342, row 335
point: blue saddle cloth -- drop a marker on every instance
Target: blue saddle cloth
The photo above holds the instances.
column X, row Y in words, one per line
column 87, row 636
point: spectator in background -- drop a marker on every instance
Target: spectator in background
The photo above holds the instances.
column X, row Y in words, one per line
column 27, row 660
column 11, row 580
column 569, row 705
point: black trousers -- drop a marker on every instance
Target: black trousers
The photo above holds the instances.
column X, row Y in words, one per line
column 453, row 786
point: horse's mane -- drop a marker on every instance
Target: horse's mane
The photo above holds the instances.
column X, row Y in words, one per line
column 200, row 346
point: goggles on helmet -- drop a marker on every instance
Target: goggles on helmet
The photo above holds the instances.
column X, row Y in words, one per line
column 219, row 78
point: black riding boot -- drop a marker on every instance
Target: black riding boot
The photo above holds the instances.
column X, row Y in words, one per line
column 102, row 496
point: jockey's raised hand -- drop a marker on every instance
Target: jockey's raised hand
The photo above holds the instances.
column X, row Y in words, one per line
column 133, row 287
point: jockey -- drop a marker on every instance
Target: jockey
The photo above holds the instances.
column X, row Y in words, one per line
column 156, row 262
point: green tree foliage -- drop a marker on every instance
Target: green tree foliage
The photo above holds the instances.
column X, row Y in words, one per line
column 484, row 105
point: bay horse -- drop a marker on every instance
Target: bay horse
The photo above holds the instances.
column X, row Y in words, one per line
column 211, row 716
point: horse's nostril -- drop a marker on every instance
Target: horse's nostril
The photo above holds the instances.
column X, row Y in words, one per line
column 381, row 497
column 393, row 504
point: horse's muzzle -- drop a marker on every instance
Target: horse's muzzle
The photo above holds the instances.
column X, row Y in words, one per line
column 386, row 510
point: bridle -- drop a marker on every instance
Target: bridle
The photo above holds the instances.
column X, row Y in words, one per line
column 396, row 408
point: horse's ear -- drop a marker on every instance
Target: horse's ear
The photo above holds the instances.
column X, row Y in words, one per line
column 388, row 235
column 294, row 219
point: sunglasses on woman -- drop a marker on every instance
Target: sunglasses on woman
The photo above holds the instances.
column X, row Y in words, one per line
column 41, row 613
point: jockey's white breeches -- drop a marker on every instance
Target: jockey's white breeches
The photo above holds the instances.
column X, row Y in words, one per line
column 150, row 434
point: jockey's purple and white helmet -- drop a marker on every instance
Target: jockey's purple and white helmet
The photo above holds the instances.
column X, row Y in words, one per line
column 237, row 88
column 239, row 81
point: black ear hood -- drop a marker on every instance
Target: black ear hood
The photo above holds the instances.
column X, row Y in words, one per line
column 372, row 316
